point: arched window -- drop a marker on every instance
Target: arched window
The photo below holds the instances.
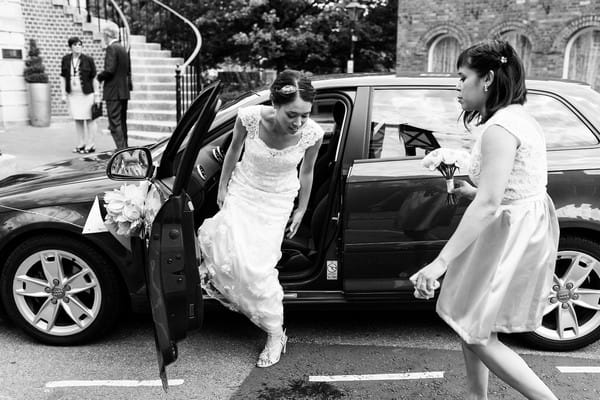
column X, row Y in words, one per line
column 522, row 46
column 443, row 53
column 582, row 57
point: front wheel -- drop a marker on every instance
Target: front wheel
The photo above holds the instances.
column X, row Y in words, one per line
column 60, row 290
column 572, row 315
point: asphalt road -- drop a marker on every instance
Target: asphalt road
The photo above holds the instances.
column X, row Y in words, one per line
column 218, row 361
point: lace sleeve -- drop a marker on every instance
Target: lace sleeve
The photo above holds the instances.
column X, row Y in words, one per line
column 250, row 117
column 311, row 135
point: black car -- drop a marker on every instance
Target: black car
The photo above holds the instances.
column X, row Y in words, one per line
column 375, row 215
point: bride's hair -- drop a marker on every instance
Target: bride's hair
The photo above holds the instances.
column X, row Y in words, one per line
column 289, row 84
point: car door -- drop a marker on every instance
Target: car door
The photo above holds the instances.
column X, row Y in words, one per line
column 395, row 216
column 171, row 256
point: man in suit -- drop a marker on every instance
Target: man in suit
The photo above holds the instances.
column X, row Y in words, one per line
column 116, row 79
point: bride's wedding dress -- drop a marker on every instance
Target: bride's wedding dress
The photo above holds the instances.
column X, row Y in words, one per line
column 241, row 244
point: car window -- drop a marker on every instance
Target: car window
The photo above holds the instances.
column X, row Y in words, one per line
column 562, row 127
column 402, row 121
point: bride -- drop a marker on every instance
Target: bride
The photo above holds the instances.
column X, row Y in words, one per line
column 241, row 244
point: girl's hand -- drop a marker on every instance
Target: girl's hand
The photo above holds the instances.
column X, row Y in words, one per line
column 464, row 189
column 426, row 279
column 297, row 216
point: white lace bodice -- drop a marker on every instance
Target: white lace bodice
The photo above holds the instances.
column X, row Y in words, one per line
column 268, row 169
column 529, row 175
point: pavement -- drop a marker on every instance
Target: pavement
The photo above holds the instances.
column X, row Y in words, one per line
column 26, row 146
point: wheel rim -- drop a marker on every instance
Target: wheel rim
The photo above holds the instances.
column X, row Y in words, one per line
column 57, row 292
column 573, row 305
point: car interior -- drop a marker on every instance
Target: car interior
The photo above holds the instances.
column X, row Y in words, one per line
column 299, row 254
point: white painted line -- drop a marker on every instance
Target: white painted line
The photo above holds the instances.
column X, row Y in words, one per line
column 376, row 377
column 579, row 370
column 118, row 383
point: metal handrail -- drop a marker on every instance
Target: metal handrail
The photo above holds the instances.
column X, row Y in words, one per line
column 125, row 24
column 186, row 63
column 196, row 32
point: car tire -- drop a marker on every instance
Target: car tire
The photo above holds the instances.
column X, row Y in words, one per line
column 572, row 317
column 60, row 290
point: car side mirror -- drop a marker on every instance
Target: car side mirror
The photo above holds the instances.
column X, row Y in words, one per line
column 134, row 163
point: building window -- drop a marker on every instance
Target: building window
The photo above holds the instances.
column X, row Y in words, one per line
column 582, row 57
column 443, row 54
column 522, row 46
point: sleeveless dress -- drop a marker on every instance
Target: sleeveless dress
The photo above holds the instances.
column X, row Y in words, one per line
column 501, row 282
column 241, row 244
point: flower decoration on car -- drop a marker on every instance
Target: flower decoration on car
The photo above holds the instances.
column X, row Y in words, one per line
column 447, row 161
column 131, row 209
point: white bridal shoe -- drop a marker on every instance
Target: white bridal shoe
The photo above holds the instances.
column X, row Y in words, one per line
column 272, row 351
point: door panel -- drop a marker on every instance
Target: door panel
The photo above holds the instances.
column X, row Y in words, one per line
column 395, row 220
column 172, row 263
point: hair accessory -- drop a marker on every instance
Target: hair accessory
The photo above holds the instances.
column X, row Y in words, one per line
column 288, row 89
column 503, row 60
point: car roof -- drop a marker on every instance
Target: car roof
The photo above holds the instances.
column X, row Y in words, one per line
column 431, row 79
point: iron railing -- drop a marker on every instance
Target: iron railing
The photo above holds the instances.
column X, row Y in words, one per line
column 159, row 23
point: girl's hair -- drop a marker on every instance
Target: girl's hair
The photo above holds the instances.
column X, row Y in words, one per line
column 289, row 84
column 508, row 86
column 74, row 40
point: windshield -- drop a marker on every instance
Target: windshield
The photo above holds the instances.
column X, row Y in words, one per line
column 587, row 100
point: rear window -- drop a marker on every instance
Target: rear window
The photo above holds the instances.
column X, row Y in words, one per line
column 560, row 124
column 587, row 100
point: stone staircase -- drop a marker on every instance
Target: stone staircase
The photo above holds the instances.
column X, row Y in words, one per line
column 151, row 109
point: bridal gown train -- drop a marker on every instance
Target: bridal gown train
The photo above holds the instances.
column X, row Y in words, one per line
column 241, row 244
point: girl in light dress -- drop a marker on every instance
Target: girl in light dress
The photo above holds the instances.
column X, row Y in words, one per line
column 241, row 244
column 499, row 262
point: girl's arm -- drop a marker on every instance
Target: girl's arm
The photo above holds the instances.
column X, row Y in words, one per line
column 306, row 180
column 231, row 158
column 498, row 150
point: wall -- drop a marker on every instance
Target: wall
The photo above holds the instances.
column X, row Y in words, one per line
column 13, row 95
column 547, row 23
column 51, row 25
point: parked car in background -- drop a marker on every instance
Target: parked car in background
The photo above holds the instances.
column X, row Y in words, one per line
column 375, row 215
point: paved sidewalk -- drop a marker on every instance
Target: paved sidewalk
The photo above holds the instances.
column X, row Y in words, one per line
column 33, row 146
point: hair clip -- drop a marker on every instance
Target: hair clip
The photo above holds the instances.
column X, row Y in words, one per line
column 288, row 89
column 503, row 60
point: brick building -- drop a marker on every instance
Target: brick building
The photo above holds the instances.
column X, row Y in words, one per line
column 555, row 38
column 50, row 23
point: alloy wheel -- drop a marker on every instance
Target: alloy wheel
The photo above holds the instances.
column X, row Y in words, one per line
column 57, row 292
column 573, row 305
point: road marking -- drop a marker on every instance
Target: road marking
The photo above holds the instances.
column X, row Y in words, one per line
column 579, row 370
column 377, row 377
column 119, row 383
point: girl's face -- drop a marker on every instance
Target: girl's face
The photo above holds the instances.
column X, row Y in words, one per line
column 471, row 95
column 76, row 48
column 292, row 116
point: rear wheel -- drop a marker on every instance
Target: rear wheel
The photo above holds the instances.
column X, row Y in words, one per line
column 572, row 315
column 60, row 290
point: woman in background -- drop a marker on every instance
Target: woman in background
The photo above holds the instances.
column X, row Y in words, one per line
column 79, row 86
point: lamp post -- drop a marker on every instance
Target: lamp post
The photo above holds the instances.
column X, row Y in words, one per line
column 354, row 9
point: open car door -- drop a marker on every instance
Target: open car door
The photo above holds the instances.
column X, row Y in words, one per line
column 171, row 263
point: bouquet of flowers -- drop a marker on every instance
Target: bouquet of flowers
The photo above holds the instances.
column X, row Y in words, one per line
column 447, row 161
column 131, row 209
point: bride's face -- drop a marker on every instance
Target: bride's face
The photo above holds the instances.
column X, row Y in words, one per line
column 292, row 116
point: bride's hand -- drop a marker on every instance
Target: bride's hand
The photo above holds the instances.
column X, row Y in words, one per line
column 221, row 197
column 297, row 216
column 426, row 279
column 464, row 189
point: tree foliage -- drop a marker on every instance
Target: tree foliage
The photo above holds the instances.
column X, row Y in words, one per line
column 313, row 35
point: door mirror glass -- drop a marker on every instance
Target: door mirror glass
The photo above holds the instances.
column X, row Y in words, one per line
column 130, row 164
